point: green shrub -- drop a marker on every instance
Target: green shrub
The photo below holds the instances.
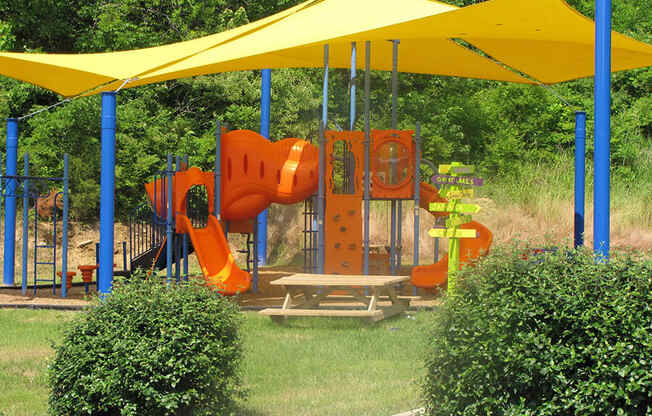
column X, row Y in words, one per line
column 555, row 334
column 149, row 350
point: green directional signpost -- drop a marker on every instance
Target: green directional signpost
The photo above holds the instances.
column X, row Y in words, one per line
column 455, row 183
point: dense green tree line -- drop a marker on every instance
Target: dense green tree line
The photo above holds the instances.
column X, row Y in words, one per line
column 496, row 125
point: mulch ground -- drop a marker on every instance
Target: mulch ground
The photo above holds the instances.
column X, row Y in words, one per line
column 266, row 296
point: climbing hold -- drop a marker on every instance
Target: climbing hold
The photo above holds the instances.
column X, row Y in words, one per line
column 343, row 229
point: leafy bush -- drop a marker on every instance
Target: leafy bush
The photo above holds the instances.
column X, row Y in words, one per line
column 555, row 334
column 149, row 350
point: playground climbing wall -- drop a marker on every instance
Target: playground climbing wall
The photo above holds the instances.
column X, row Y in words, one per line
column 343, row 215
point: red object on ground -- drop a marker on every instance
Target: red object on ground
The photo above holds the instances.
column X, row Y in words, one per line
column 87, row 272
column 69, row 276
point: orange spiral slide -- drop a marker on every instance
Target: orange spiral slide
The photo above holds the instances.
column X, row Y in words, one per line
column 436, row 275
column 255, row 173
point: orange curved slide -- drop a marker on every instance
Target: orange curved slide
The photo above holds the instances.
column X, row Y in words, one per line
column 217, row 263
column 436, row 275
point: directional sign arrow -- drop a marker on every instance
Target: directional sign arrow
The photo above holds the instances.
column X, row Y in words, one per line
column 457, row 194
column 458, row 220
column 454, row 207
column 456, row 180
column 457, row 169
column 452, row 233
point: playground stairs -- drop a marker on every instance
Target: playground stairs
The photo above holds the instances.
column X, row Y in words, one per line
column 156, row 255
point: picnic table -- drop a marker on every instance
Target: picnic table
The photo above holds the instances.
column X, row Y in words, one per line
column 306, row 292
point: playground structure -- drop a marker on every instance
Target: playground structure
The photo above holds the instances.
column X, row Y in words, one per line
column 267, row 45
column 251, row 173
column 45, row 226
column 40, row 200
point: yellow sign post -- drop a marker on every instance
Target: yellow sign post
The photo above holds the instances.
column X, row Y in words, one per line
column 455, row 181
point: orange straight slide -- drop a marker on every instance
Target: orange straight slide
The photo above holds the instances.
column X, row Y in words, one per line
column 436, row 275
column 217, row 263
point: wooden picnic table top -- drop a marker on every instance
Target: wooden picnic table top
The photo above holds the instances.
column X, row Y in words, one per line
column 305, row 279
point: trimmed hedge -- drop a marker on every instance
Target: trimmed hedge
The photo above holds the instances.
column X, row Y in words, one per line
column 149, row 350
column 555, row 334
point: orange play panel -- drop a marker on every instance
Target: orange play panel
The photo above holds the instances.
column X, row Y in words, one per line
column 392, row 164
column 343, row 216
column 343, row 235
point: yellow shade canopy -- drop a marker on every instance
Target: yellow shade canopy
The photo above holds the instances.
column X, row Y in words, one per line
column 544, row 39
column 72, row 74
column 298, row 40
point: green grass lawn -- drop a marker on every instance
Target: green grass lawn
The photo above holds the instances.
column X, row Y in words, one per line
column 310, row 366
column 25, row 339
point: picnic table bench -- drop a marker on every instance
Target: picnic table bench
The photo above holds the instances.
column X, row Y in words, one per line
column 309, row 290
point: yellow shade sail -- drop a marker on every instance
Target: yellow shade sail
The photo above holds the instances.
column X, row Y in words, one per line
column 544, row 39
column 72, row 74
column 298, row 40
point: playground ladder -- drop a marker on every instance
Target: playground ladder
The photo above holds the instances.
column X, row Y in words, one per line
column 310, row 235
column 52, row 247
column 249, row 252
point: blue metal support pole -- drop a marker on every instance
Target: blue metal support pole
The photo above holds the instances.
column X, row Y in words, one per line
column 10, row 202
column 185, row 238
column 265, row 111
column 177, row 246
column 392, row 241
column 124, row 256
column 254, row 278
column 324, row 105
column 168, row 220
column 417, row 197
column 601, row 192
column 367, row 146
column 107, row 193
column 64, row 233
column 399, row 204
column 580, row 171
column 352, row 81
column 417, row 189
column 217, row 199
column 321, row 203
column 395, row 44
column 97, row 261
column 25, row 223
